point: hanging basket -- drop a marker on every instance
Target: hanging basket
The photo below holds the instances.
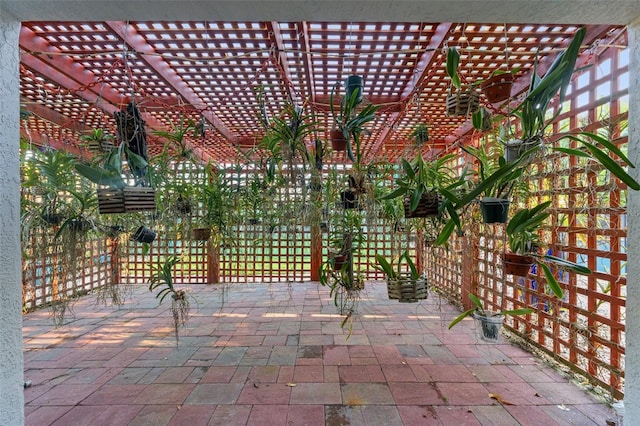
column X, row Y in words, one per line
column 463, row 103
column 126, row 200
column 338, row 142
column 488, row 327
column 407, row 290
column 494, row 210
column 427, row 207
column 516, row 264
column 497, row 88
column 201, row 234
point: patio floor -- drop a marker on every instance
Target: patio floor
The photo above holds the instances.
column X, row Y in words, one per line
column 275, row 354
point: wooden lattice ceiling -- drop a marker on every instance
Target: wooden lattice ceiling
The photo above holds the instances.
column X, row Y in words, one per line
column 75, row 75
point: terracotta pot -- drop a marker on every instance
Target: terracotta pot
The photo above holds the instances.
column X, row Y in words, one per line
column 338, row 142
column 339, row 261
column 497, row 88
column 201, row 234
column 516, row 264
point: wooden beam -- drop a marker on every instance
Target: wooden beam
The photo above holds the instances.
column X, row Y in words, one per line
column 148, row 54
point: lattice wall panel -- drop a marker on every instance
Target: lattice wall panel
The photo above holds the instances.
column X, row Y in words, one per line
column 588, row 226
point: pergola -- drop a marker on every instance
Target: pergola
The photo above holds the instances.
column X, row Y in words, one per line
column 230, row 64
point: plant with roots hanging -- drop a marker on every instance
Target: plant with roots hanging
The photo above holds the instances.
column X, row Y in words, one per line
column 162, row 281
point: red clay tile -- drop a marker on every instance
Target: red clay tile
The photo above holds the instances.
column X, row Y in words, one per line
column 398, row 373
column 336, row 355
column 265, row 393
column 316, row 393
column 306, row 415
column 214, row 393
column 45, row 415
column 262, row 415
column 366, row 393
column 264, row 374
column 156, row 415
column 218, row 374
column 465, row 393
column 164, row 394
column 413, row 393
column 192, row 415
column 308, row 374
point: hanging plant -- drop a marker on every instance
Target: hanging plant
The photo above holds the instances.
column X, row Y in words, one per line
column 162, row 281
column 464, row 100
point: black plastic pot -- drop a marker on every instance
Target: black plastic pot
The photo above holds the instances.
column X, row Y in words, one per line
column 514, row 149
column 79, row 225
column 52, row 218
column 349, row 199
column 144, row 235
column 114, row 231
column 494, row 210
column 353, row 83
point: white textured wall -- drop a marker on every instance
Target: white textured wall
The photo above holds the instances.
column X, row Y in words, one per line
column 11, row 362
column 632, row 359
column 492, row 11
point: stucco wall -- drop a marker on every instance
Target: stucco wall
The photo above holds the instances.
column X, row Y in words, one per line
column 11, row 362
column 632, row 360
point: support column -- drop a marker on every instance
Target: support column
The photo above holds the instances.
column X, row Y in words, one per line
column 632, row 326
column 11, row 362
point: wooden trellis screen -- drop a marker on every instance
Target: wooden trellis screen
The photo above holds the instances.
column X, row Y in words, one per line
column 585, row 330
column 588, row 226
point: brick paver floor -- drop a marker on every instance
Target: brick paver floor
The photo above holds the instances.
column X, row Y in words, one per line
column 275, row 354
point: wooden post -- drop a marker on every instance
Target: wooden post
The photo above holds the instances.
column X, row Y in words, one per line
column 213, row 260
column 470, row 256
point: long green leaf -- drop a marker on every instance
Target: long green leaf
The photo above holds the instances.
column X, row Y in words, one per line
column 551, row 281
column 461, row 317
column 610, row 146
column 452, row 63
column 520, row 311
column 572, row 151
column 568, row 264
column 445, row 233
column 612, row 166
column 476, row 301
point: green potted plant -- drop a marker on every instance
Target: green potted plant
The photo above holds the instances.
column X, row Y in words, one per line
column 489, row 322
column 462, row 100
column 532, row 111
column 345, row 239
column 216, row 202
column 497, row 178
column 284, row 142
column 98, row 140
column 349, row 123
column 118, row 197
column 420, row 134
column 404, row 283
column 420, row 183
column 522, row 234
column 497, row 87
column 162, row 282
